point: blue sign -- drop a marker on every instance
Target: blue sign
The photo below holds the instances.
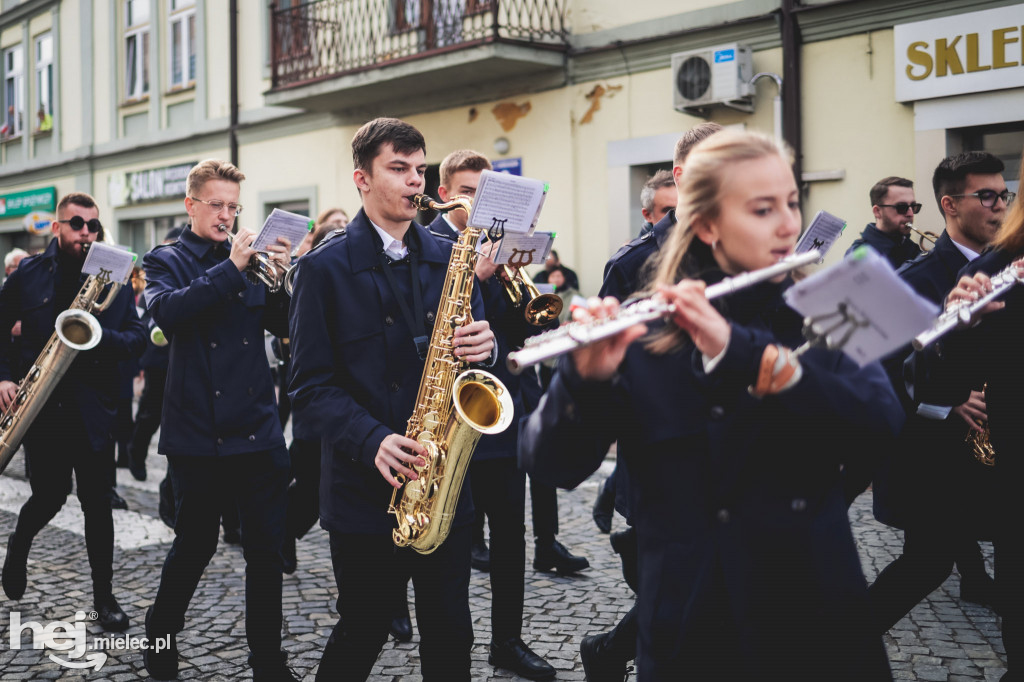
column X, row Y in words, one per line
column 725, row 56
column 510, row 166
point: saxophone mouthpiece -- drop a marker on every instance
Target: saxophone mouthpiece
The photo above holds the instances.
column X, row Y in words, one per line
column 421, row 201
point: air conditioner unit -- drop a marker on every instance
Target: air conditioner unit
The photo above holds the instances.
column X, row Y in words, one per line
column 713, row 76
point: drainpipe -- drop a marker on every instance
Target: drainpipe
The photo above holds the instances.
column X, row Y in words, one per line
column 233, row 78
column 791, row 48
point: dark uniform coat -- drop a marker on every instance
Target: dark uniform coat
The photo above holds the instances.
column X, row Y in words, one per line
column 219, row 398
column 748, row 568
column 92, row 380
column 897, row 248
column 355, row 368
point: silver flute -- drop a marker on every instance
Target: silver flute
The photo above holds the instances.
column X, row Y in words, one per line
column 962, row 314
column 573, row 335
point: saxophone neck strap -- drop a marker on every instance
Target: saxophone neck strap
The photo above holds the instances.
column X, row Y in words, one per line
column 413, row 318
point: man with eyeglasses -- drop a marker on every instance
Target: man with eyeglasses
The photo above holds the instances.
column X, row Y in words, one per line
column 930, row 485
column 894, row 207
column 72, row 432
column 220, row 430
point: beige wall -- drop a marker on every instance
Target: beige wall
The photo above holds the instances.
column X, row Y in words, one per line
column 68, row 50
column 586, row 16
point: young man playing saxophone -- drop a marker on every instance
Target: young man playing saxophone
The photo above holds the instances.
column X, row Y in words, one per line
column 363, row 306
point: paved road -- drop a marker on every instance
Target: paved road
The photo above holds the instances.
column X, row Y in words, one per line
column 942, row 638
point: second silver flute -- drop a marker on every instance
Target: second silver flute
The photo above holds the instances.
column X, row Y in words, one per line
column 575, row 335
column 963, row 314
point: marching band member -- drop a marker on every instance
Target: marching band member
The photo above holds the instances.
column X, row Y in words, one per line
column 221, row 433
column 350, row 330
column 748, row 567
column 73, row 430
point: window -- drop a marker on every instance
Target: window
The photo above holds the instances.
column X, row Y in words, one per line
column 44, row 82
column 1004, row 140
column 183, row 43
column 14, row 92
column 136, row 48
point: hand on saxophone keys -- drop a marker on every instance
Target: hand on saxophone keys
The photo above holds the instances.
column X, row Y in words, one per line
column 473, row 342
column 396, row 455
column 8, row 389
column 973, row 411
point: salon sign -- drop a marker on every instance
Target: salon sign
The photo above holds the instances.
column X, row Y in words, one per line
column 955, row 55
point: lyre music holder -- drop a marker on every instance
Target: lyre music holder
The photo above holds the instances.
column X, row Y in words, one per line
column 842, row 319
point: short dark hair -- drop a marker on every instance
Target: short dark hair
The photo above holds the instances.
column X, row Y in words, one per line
column 366, row 143
column 78, row 199
column 691, row 138
column 950, row 175
column 662, row 178
column 881, row 188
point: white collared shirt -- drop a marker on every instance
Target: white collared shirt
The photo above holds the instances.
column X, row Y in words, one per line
column 390, row 243
column 968, row 254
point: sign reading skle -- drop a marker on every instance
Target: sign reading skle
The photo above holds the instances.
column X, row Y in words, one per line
column 955, row 55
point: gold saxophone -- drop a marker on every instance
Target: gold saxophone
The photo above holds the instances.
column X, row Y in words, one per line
column 981, row 445
column 76, row 329
column 454, row 406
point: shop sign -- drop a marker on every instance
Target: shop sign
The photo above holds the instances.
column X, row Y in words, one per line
column 39, row 223
column 23, row 203
column 145, row 186
column 510, row 166
column 973, row 52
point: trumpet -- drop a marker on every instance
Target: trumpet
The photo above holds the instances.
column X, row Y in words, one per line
column 575, row 335
column 538, row 309
column 923, row 236
column 262, row 268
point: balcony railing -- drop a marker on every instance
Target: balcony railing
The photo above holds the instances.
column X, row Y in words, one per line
column 327, row 38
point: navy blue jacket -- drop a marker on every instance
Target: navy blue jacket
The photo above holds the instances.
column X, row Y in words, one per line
column 624, row 272
column 355, row 371
column 737, row 502
column 219, row 398
column 897, row 248
column 92, row 383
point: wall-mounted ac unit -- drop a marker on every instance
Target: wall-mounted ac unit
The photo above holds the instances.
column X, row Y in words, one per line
column 713, row 76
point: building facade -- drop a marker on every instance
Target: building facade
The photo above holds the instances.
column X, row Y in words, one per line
column 119, row 98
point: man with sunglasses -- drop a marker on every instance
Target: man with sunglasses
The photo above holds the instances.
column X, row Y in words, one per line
column 72, row 432
column 894, row 207
column 930, row 485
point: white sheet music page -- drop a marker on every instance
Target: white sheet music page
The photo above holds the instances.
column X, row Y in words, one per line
column 116, row 263
column 821, row 234
column 282, row 224
column 522, row 250
column 508, row 201
column 888, row 311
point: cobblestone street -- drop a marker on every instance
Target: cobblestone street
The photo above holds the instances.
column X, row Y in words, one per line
column 942, row 638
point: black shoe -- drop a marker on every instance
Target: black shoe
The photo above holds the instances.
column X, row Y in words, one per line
column 599, row 662
column 554, row 556
column 116, row 501
column 289, row 562
column 15, row 575
column 111, row 616
column 401, row 628
column 604, row 508
column 624, row 544
column 138, row 470
column 163, row 664
column 276, row 670
column 979, row 591
column 514, row 655
column 232, row 536
column 480, row 556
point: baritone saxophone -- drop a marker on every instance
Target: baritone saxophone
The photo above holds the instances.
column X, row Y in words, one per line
column 455, row 405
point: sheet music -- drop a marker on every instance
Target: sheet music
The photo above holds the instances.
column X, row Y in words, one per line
column 280, row 223
column 114, row 261
column 508, row 201
column 821, row 234
column 889, row 312
column 522, row 250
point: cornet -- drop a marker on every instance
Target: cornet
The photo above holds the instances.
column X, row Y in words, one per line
column 931, row 237
column 262, row 268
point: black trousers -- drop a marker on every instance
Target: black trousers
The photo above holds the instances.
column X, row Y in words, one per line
column 55, row 448
column 257, row 482
column 304, row 492
column 927, row 560
column 544, row 503
column 368, row 570
column 499, row 492
column 147, row 419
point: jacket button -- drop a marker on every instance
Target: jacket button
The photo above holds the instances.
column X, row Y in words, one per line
column 46, row 300
column 388, row 320
column 430, row 316
column 717, row 412
column 220, row 441
column 722, row 516
column 49, row 269
column 252, row 438
column 252, row 390
column 798, row 505
column 245, row 341
column 213, row 344
column 216, row 394
column 241, row 294
column 394, row 387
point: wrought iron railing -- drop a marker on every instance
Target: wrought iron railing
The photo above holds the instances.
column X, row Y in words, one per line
column 326, row 38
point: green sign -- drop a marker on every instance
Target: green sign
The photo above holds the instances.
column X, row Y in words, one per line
column 23, row 203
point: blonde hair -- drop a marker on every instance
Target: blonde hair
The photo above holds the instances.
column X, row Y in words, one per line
column 211, row 169
column 1010, row 237
column 460, row 160
column 700, row 188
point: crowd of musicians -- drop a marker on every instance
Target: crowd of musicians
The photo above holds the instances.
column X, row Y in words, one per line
column 737, row 458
